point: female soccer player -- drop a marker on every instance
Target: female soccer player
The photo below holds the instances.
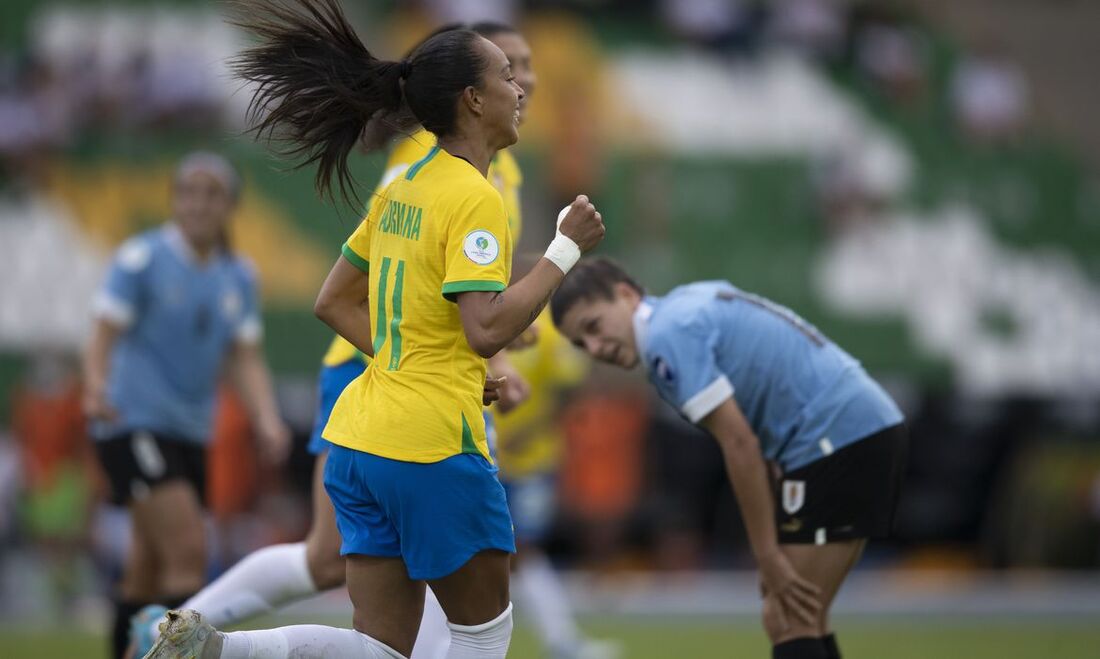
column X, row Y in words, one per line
column 278, row 575
column 177, row 307
column 421, row 288
column 769, row 387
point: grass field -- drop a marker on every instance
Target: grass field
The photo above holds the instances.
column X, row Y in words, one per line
column 922, row 638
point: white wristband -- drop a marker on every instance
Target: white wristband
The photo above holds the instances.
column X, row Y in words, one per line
column 563, row 252
column 561, row 216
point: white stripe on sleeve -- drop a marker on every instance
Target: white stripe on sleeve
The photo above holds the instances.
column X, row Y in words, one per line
column 112, row 309
column 707, row 400
column 250, row 331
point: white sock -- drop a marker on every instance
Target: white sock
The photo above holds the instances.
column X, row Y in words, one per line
column 304, row 642
column 543, row 598
column 265, row 579
column 435, row 636
column 486, row 641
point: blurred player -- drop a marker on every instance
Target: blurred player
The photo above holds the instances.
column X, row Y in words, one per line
column 177, row 308
column 421, row 288
column 281, row 574
column 768, row 386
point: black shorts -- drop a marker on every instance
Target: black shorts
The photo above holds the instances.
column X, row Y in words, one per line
column 139, row 461
column 850, row 494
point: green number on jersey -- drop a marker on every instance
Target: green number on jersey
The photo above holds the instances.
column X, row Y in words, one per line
column 394, row 325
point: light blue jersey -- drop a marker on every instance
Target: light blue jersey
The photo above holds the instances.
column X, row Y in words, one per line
column 802, row 395
column 180, row 318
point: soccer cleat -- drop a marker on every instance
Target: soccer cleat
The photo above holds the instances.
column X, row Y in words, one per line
column 141, row 629
column 183, row 635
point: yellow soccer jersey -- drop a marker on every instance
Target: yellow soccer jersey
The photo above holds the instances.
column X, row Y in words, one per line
column 504, row 174
column 529, row 439
column 438, row 230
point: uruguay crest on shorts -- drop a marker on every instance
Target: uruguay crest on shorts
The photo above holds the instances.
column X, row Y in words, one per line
column 794, row 495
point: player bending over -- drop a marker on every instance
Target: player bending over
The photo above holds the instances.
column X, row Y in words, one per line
column 772, row 390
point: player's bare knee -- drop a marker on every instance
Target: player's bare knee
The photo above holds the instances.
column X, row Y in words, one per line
column 360, row 622
column 401, row 640
column 782, row 633
column 781, row 628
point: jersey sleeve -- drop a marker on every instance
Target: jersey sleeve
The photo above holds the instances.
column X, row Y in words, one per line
column 477, row 255
column 357, row 248
column 119, row 300
column 682, row 363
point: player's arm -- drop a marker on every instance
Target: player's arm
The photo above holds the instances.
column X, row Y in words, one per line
column 343, row 303
column 249, row 372
column 492, row 320
column 116, row 307
column 748, row 474
column 253, row 381
column 97, row 359
column 347, row 286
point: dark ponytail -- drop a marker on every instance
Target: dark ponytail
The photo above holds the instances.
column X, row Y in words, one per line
column 318, row 86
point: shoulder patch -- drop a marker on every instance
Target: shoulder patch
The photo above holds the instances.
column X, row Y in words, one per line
column 481, row 247
column 662, row 370
column 135, row 254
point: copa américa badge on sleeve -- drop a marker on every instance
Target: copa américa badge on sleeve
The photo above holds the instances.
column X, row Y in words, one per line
column 481, row 247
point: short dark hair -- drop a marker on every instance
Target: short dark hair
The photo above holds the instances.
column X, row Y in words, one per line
column 317, row 85
column 589, row 279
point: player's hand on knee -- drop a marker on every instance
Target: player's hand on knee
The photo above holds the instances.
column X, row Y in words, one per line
column 774, row 619
column 799, row 598
column 582, row 224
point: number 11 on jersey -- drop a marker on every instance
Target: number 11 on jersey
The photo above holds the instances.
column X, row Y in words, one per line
column 393, row 324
